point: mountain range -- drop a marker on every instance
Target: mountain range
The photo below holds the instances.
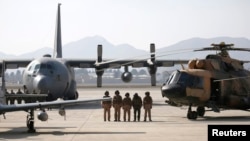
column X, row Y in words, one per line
column 86, row 48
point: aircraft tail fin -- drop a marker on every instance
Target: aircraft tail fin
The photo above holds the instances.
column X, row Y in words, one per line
column 58, row 41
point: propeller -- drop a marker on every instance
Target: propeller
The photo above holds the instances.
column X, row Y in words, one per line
column 152, row 65
column 98, row 69
column 127, row 76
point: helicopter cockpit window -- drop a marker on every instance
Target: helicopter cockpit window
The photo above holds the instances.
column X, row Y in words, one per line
column 185, row 79
column 173, row 78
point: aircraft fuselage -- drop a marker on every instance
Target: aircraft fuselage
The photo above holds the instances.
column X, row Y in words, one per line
column 50, row 76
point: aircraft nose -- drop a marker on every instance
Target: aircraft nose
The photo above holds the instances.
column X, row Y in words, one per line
column 41, row 84
column 173, row 91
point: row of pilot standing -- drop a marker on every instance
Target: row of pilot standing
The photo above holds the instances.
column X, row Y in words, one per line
column 126, row 104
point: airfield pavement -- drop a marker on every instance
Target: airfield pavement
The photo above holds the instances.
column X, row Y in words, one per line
column 85, row 121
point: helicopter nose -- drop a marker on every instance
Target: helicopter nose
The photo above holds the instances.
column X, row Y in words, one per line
column 173, row 91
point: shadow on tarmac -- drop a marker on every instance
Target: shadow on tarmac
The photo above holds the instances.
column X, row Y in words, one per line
column 222, row 119
column 20, row 132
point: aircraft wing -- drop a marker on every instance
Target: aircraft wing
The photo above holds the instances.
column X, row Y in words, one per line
column 119, row 63
column 41, row 105
column 81, row 63
column 15, row 63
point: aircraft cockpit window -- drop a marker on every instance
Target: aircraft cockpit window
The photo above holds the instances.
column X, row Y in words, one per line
column 37, row 67
column 185, row 79
column 34, row 68
column 43, row 66
column 49, row 67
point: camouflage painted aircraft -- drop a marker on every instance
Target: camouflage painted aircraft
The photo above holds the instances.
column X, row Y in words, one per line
column 217, row 82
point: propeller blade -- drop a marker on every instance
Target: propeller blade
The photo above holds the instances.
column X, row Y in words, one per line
column 99, row 81
column 153, row 79
column 152, row 52
column 99, row 53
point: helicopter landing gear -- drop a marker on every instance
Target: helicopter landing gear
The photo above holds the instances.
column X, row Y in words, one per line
column 201, row 111
column 191, row 114
column 30, row 122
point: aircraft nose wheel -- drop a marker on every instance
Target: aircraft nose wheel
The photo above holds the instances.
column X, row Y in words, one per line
column 30, row 122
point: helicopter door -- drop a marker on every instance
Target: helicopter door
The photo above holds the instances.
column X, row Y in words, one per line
column 215, row 90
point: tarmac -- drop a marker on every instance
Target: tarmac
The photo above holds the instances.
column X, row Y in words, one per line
column 85, row 121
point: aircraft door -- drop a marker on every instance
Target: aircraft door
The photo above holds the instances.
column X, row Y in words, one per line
column 215, row 90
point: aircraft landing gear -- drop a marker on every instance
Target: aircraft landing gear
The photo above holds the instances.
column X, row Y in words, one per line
column 191, row 114
column 30, row 122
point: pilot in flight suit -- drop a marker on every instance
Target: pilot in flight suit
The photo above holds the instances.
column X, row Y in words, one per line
column 106, row 105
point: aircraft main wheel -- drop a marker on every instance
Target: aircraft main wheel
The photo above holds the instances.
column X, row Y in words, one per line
column 30, row 125
column 192, row 115
column 201, row 111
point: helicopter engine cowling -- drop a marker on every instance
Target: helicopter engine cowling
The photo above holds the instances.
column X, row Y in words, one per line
column 126, row 76
column 43, row 116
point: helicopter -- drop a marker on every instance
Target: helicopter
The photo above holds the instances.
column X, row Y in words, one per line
column 217, row 82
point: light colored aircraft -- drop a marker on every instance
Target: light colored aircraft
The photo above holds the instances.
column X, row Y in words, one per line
column 55, row 75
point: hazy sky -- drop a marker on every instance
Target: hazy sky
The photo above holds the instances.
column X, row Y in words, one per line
column 27, row 25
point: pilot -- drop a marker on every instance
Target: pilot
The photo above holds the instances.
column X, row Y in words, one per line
column 6, row 91
column 137, row 104
column 19, row 91
column 12, row 92
column 147, row 105
column 126, row 105
column 106, row 105
column 117, row 104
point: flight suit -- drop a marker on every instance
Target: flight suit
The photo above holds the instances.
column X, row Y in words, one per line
column 126, row 105
column 147, row 105
column 106, row 105
column 137, row 104
column 117, row 104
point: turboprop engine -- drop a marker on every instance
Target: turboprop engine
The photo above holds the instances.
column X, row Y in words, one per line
column 126, row 76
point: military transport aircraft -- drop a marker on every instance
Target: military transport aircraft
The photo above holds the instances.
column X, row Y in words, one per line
column 217, row 82
column 55, row 75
